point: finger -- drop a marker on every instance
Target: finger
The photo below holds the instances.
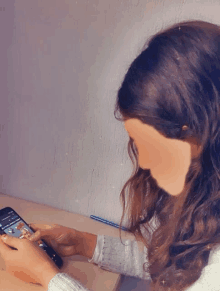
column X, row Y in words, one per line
column 66, row 251
column 10, row 240
column 41, row 225
column 41, row 233
column 35, row 236
column 4, row 248
column 35, row 226
column 32, row 225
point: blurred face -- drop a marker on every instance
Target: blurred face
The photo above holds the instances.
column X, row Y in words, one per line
column 167, row 159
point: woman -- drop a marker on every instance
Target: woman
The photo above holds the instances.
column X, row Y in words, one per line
column 174, row 86
column 169, row 103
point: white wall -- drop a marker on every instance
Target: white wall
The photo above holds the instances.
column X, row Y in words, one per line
column 62, row 63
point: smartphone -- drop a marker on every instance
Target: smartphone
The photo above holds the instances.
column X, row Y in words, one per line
column 12, row 224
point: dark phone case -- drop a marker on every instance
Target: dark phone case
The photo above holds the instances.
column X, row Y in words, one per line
column 51, row 253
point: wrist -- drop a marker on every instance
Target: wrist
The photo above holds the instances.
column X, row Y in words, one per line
column 48, row 274
column 88, row 244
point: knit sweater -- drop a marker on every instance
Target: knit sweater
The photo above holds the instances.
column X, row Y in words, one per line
column 110, row 254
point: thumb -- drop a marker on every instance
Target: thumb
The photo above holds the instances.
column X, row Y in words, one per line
column 35, row 236
column 4, row 248
column 10, row 240
column 4, row 237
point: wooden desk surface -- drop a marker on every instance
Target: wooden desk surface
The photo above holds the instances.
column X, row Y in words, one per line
column 90, row 275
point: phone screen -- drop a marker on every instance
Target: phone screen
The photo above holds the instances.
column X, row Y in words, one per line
column 12, row 224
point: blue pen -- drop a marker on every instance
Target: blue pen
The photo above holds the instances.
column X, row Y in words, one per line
column 107, row 222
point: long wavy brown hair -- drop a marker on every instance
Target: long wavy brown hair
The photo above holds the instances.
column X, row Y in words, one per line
column 175, row 81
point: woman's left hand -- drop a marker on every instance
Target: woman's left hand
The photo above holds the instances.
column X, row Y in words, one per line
column 28, row 261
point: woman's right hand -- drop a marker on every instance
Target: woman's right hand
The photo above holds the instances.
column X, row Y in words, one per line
column 64, row 240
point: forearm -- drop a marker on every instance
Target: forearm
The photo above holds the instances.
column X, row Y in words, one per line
column 46, row 274
column 88, row 244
